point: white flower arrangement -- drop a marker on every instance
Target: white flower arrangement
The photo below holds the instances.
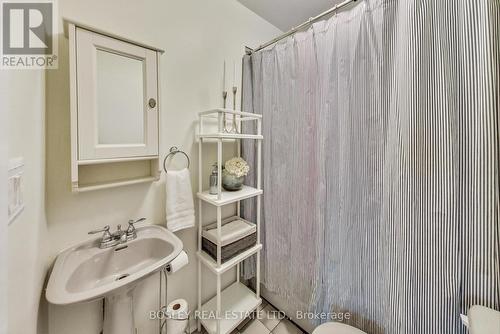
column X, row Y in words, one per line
column 237, row 166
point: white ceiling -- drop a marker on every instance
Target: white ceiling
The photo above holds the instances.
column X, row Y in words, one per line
column 286, row 14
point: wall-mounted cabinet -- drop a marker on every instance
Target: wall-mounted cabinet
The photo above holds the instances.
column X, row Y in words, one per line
column 114, row 109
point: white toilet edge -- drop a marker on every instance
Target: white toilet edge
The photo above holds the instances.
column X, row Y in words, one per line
column 336, row 328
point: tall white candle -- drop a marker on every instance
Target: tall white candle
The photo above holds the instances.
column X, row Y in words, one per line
column 224, row 78
column 234, row 73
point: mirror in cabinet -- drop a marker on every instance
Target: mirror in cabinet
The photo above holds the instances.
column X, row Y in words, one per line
column 114, row 109
column 120, row 96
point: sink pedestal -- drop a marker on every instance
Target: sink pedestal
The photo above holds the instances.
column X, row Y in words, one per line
column 119, row 313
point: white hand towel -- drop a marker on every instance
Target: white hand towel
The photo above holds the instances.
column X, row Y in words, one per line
column 180, row 205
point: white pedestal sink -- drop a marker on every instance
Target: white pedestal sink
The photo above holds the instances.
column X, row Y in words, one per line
column 85, row 272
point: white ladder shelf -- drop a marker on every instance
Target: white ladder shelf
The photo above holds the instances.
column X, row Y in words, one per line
column 229, row 307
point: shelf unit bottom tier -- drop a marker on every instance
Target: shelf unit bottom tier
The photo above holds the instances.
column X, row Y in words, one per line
column 237, row 303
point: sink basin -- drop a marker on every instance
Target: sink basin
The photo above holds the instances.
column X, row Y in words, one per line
column 85, row 272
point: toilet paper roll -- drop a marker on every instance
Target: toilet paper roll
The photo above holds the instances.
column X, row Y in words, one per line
column 180, row 261
column 177, row 309
column 177, row 314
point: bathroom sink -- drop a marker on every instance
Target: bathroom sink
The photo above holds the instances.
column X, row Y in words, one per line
column 85, row 272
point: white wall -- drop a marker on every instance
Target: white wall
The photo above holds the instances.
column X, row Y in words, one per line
column 3, row 204
column 27, row 235
column 197, row 37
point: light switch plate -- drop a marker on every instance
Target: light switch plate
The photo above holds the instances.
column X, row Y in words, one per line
column 16, row 188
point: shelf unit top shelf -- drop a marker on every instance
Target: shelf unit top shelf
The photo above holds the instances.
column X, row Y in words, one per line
column 228, row 197
column 229, row 136
column 212, row 264
column 230, row 111
column 236, row 299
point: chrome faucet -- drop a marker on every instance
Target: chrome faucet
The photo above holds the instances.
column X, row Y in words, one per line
column 119, row 236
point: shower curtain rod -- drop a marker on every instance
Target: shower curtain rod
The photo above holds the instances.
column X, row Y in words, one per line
column 303, row 25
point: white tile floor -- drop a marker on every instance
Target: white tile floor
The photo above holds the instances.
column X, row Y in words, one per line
column 267, row 320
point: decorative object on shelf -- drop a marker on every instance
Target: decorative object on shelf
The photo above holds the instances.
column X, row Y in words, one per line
column 224, row 97
column 213, row 180
column 224, row 91
column 231, row 182
column 224, row 117
column 234, row 173
column 234, row 128
column 237, row 235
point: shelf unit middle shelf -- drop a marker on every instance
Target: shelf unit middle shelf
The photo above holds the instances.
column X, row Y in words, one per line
column 228, row 197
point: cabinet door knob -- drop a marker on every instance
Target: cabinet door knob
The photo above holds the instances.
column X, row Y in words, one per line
column 152, row 103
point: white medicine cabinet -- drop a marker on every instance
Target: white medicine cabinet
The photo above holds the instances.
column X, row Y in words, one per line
column 114, row 109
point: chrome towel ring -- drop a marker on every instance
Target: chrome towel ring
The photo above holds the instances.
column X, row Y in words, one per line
column 173, row 151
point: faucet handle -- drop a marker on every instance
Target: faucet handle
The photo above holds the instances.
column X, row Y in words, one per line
column 131, row 233
column 106, row 236
column 104, row 229
column 132, row 222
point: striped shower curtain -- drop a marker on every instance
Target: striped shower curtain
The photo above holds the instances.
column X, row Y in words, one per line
column 381, row 156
